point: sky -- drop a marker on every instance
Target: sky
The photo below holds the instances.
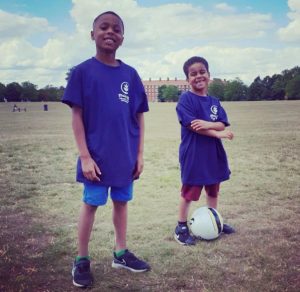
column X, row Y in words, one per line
column 41, row 39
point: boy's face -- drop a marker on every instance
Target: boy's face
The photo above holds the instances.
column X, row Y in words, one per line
column 107, row 33
column 198, row 78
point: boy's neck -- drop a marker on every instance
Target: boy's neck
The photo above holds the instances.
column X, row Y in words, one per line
column 199, row 92
column 107, row 59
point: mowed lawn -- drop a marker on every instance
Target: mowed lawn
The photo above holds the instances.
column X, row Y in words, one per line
column 40, row 201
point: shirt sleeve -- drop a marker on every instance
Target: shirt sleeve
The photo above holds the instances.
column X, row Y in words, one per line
column 73, row 92
column 184, row 111
column 222, row 116
column 140, row 94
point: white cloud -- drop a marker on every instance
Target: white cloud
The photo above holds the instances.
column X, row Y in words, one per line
column 225, row 7
column 226, row 62
column 291, row 33
column 157, row 42
column 18, row 26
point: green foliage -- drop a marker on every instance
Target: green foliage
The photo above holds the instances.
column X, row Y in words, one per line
column 51, row 93
column 276, row 87
column 216, row 88
column 235, row 90
column 160, row 96
column 29, row 91
column 168, row 93
column 13, row 91
column 293, row 88
column 68, row 74
column 2, row 91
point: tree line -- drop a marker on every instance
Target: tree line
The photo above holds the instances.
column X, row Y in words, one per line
column 277, row 87
column 27, row 91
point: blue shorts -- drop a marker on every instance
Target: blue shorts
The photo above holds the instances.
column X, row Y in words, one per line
column 96, row 195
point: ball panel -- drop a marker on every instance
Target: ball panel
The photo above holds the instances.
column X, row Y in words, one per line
column 206, row 223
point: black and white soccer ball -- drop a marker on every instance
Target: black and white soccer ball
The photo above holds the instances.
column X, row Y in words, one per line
column 206, row 223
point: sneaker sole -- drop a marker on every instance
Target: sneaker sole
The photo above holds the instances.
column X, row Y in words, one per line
column 182, row 243
column 119, row 266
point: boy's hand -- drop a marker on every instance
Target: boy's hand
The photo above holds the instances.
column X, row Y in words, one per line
column 90, row 169
column 200, row 125
column 139, row 166
column 225, row 134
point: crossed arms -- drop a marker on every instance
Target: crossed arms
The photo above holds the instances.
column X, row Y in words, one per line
column 211, row 129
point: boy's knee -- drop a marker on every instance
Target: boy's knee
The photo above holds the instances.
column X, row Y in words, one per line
column 119, row 203
column 90, row 208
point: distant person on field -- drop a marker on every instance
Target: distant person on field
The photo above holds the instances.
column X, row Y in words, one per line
column 203, row 160
column 15, row 108
column 108, row 100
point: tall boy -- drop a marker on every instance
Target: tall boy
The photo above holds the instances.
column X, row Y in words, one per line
column 108, row 101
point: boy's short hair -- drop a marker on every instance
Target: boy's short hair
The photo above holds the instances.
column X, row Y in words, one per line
column 109, row 12
column 192, row 61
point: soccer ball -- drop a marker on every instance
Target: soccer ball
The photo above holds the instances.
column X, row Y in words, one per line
column 206, row 223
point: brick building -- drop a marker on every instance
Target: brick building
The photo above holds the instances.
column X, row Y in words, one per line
column 151, row 86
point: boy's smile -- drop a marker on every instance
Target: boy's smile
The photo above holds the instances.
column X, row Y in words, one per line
column 107, row 33
column 198, row 78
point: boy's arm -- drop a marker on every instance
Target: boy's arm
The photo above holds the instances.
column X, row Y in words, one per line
column 89, row 168
column 140, row 157
column 205, row 125
column 211, row 129
column 214, row 133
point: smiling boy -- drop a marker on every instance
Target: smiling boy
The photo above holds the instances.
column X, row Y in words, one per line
column 203, row 161
column 108, row 101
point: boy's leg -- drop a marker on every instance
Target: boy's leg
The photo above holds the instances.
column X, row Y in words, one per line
column 85, row 225
column 184, row 206
column 212, row 192
column 123, row 258
column 188, row 194
column 120, row 223
column 81, row 272
column 93, row 196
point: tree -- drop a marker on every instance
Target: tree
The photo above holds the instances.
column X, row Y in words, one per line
column 29, row 91
column 216, row 88
column 160, row 96
column 171, row 93
column 2, row 91
column 50, row 93
column 13, row 91
column 278, row 87
column 235, row 90
column 68, row 74
column 293, row 88
column 256, row 89
column 168, row 93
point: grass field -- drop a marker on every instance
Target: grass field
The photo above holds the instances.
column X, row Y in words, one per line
column 39, row 205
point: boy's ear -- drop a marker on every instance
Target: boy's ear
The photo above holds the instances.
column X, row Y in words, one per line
column 92, row 35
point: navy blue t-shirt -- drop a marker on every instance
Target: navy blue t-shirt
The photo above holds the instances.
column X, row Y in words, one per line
column 202, row 159
column 110, row 98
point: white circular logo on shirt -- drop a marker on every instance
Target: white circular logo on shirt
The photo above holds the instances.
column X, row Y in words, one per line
column 125, row 87
column 214, row 109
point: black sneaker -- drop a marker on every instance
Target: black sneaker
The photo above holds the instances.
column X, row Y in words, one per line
column 81, row 272
column 130, row 262
column 227, row 229
column 182, row 235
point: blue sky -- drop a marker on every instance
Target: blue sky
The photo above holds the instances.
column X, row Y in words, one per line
column 41, row 39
